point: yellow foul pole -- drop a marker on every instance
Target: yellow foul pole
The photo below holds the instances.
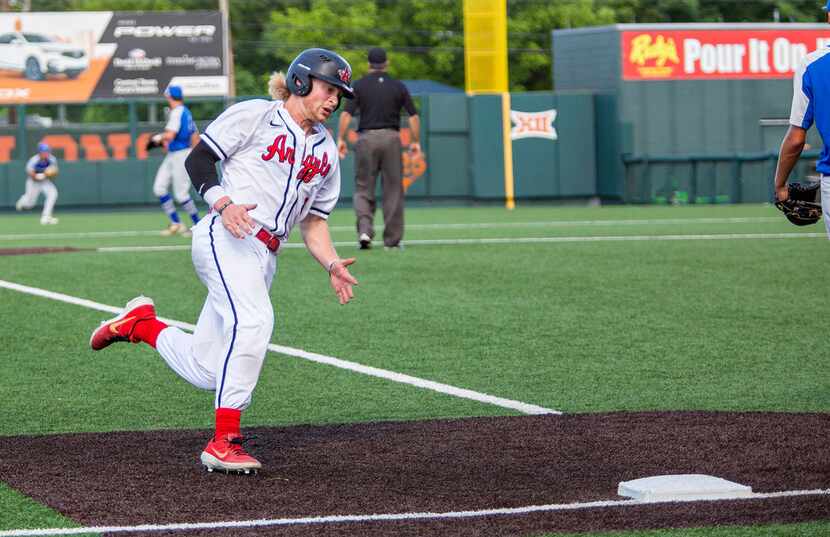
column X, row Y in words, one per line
column 485, row 67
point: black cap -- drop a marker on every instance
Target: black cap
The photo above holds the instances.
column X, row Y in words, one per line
column 377, row 55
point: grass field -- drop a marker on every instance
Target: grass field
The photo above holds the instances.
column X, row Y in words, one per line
column 578, row 310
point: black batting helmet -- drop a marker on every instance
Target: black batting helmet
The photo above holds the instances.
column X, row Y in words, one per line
column 319, row 63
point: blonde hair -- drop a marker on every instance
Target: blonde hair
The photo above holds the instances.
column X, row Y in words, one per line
column 277, row 87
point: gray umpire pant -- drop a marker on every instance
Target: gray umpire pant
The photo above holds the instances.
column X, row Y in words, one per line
column 379, row 151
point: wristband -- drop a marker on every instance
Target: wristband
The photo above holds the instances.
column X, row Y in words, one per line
column 224, row 206
column 331, row 265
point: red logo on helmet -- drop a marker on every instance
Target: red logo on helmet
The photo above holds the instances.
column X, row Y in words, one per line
column 345, row 75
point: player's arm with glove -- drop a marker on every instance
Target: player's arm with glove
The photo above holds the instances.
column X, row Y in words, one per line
column 154, row 141
column 51, row 172
column 797, row 201
column 318, row 241
column 788, row 154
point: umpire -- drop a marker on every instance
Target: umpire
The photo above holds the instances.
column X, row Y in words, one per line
column 378, row 100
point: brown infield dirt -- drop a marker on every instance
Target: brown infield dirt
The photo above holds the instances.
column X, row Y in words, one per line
column 41, row 250
column 154, row 477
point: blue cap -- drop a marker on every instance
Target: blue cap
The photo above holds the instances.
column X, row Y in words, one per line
column 826, row 6
column 175, row 92
column 42, row 148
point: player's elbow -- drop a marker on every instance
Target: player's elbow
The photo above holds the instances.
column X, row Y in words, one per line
column 796, row 136
column 201, row 167
column 794, row 140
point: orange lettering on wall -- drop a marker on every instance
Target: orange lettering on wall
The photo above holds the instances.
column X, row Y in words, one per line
column 63, row 142
column 7, row 143
column 93, row 147
column 120, row 144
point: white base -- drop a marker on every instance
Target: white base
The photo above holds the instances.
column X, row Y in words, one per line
column 682, row 487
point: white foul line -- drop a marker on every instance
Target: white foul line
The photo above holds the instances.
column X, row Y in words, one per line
column 517, row 240
column 339, row 519
column 519, row 406
column 470, row 225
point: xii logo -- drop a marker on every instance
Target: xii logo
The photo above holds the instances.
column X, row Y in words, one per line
column 533, row 124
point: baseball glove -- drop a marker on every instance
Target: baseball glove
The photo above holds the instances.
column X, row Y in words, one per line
column 154, row 141
column 51, row 172
column 801, row 208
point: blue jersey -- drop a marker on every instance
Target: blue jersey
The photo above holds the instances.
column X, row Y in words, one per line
column 180, row 122
column 39, row 165
column 811, row 100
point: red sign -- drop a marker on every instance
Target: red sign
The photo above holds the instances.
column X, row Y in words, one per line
column 716, row 54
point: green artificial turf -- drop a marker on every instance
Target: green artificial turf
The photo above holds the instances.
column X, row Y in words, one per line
column 581, row 325
column 771, row 530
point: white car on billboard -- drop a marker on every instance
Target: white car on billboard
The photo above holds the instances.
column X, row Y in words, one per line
column 37, row 55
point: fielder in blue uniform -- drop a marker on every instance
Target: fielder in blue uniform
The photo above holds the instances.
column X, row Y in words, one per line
column 177, row 136
column 811, row 105
column 41, row 169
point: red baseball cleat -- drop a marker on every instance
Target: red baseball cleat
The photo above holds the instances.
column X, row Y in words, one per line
column 227, row 454
column 121, row 328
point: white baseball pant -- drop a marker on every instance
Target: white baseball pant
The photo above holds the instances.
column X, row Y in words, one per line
column 33, row 190
column 226, row 351
column 172, row 170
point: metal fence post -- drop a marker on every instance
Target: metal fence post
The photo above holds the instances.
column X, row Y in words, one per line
column 22, row 142
column 693, row 181
column 133, row 121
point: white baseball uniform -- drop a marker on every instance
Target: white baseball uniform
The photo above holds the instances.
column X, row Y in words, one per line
column 172, row 168
column 266, row 159
column 34, row 188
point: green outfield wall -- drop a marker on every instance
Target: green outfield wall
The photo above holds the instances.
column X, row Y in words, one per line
column 688, row 113
column 554, row 153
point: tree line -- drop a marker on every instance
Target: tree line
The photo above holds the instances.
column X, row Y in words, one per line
column 424, row 38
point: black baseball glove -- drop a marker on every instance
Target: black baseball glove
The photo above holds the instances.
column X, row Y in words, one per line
column 154, row 142
column 801, row 208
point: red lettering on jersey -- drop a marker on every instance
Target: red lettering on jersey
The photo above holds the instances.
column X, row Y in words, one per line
column 312, row 166
column 278, row 148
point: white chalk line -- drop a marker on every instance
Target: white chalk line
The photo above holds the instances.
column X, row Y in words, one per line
column 387, row 517
column 401, row 378
column 473, row 225
column 516, row 240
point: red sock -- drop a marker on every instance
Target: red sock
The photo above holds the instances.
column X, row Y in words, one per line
column 148, row 330
column 227, row 422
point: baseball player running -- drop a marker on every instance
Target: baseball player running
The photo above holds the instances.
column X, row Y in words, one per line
column 177, row 135
column 279, row 168
column 41, row 169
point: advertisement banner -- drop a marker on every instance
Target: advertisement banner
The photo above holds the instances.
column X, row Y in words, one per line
column 77, row 56
column 716, row 54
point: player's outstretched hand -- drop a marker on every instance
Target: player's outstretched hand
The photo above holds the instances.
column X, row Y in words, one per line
column 236, row 219
column 342, row 280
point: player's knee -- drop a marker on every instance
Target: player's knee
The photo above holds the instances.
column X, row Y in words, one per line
column 159, row 191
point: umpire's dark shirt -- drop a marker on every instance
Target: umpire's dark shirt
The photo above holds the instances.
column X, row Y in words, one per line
column 378, row 99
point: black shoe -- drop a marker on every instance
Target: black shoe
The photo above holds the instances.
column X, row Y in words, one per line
column 365, row 241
